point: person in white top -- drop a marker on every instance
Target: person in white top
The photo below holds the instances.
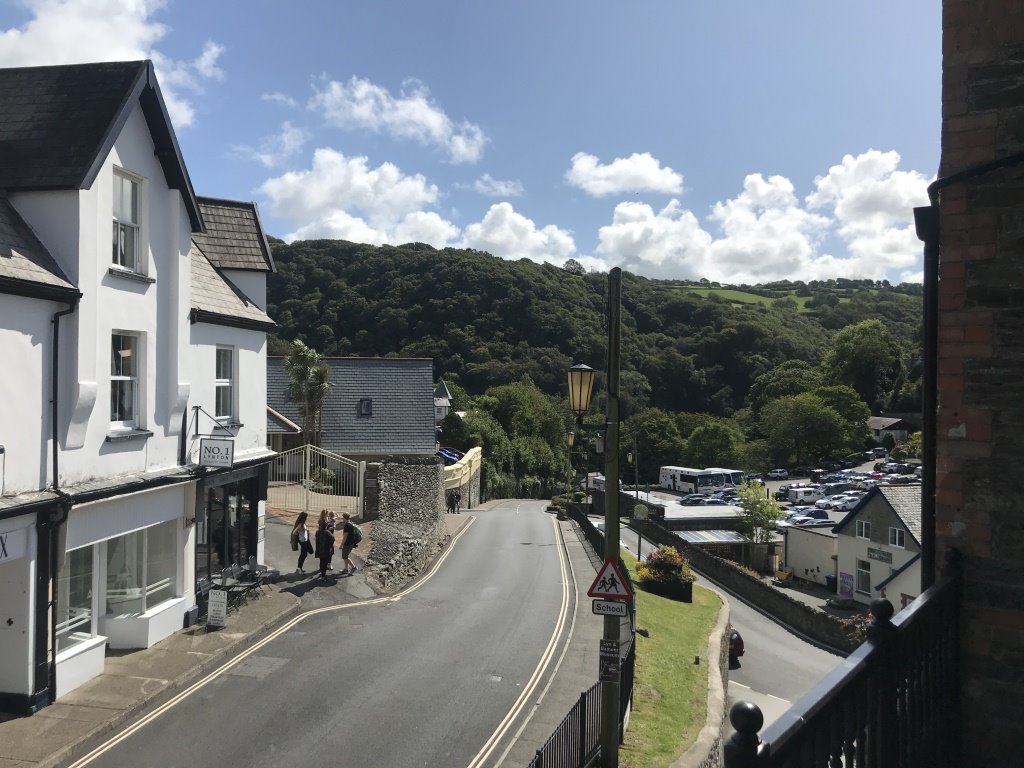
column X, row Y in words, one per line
column 301, row 532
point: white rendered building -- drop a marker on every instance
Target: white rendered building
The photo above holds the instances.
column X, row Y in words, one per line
column 132, row 327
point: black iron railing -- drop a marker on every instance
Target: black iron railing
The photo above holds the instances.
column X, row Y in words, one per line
column 576, row 741
column 893, row 702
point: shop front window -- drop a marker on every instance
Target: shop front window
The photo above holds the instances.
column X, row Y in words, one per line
column 226, row 532
column 141, row 569
column 74, row 599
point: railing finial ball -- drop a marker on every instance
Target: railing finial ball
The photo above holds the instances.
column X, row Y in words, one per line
column 882, row 610
column 746, row 717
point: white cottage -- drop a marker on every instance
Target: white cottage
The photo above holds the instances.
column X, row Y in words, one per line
column 132, row 329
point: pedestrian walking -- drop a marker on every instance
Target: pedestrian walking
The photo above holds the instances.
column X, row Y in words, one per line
column 300, row 537
column 332, row 527
column 450, row 501
column 324, row 547
column 458, row 502
column 351, row 535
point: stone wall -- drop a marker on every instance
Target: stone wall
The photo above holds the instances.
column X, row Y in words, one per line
column 409, row 529
column 813, row 624
column 980, row 358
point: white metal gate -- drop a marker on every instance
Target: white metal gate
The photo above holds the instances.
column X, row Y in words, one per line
column 309, row 479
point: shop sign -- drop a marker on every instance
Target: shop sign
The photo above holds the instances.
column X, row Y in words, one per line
column 217, row 608
column 12, row 544
column 216, row 452
column 880, row 555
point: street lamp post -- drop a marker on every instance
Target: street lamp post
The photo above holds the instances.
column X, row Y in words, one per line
column 633, row 457
column 581, row 383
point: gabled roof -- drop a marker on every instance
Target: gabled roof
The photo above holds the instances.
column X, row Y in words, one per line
column 234, row 236
column 904, row 500
column 442, row 397
column 279, row 425
column 885, row 422
column 895, row 574
column 26, row 267
column 401, row 404
column 58, row 125
column 217, row 300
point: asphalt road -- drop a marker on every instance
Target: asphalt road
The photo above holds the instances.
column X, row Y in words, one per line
column 421, row 679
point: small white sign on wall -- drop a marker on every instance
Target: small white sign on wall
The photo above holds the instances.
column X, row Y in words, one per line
column 12, row 544
column 216, row 452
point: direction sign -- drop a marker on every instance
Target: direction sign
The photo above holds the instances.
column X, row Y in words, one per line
column 609, row 608
column 609, row 583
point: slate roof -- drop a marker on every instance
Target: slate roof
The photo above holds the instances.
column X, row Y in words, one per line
column 905, row 501
column 234, row 236
column 58, row 125
column 26, row 267
column 883, row 422
column 401, row 391
column 217, row 300
column 442, row 397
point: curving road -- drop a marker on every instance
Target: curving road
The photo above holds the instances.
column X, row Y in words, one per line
column 436, row 675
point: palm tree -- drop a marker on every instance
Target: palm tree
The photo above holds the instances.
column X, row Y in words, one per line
column 310, row 383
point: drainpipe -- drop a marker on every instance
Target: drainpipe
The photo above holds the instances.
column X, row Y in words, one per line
column 926, row 220
column 48, row 525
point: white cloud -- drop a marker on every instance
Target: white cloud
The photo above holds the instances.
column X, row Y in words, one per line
column 344, row 197
column 640, row 172
column 275, row 149
column 279, row 98
column 411, row 114
column 666, row 244
column 82, row 31
column 488, row 186
column 510, row 235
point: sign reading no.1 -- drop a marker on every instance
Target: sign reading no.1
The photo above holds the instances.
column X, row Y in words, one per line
column 216, row 452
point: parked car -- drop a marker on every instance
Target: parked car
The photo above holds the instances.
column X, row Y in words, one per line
column 735, row 645
column 692, row 500
column 711, row 501
column 778, row 474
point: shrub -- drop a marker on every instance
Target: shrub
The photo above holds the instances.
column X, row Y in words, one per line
column 664, row 565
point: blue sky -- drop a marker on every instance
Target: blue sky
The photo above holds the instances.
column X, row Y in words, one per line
column 738, row 141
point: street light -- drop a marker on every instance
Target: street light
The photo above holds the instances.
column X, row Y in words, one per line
column 581, row 387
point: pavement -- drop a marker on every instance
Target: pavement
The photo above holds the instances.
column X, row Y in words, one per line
column 137, row 682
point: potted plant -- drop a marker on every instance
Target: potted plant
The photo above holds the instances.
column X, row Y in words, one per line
column 665, row 572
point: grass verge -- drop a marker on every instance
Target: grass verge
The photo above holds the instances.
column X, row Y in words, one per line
column 670, row 692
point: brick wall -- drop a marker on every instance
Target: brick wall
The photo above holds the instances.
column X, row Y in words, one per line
column 980, row 430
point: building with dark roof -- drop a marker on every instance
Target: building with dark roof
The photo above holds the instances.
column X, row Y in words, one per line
column 134, row 422
column 376, row 407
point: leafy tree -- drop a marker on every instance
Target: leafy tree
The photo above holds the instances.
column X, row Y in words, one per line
column 851, row 409
column 310, row 382
column 760, row 511
column 801, row 429
column 866, row 357
column 714, row 444
column 455, row 433
column 790, row 378
column 913, row 445
column 573, row 267
column 658, row 441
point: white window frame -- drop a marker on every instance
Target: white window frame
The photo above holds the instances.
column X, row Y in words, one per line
column 127, row 225
column 897, row 538
column 861, row 571
column 117, row 375
column 222, row 384
column 863, row 529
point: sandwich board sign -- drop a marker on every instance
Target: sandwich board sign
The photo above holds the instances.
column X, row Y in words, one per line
column 217, row 608
column 609, row 583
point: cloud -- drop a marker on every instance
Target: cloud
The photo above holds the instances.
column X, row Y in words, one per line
column 411, row 114
column 274, row 150
column 279, row 98
column 343, row 197
column 510, row 235
column 488, row 186
column 640, row 172
column 669, row 243
column 83, row 31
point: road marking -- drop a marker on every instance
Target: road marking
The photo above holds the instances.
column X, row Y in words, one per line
column 741, row 685
column 224, row 668
column 526, row 696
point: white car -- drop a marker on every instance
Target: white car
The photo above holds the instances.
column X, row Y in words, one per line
column 777, row 474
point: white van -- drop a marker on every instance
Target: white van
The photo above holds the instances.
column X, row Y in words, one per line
column 803, row 494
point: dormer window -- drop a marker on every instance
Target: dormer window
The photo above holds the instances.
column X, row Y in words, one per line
column 126, row 222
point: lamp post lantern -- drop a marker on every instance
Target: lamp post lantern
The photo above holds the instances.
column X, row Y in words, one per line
column 581, row 387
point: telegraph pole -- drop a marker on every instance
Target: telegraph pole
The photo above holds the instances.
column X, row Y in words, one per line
column 610, row 688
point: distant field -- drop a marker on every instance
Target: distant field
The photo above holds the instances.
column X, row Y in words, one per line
column 735, row 296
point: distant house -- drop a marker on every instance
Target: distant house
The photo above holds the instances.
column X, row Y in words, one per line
column 880, row 426
column 810, row 551
column 879, row 546
column 377, row 406
column 442, row 402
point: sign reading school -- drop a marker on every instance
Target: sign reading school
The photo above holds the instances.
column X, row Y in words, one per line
column 609, row 583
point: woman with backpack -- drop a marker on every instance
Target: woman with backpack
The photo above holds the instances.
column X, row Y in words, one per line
column 350, row 538
column 300, row 539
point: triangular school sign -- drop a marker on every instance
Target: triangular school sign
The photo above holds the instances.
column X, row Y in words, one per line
column 609, row 584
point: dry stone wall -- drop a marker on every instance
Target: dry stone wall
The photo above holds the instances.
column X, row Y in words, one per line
column 409, row 529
